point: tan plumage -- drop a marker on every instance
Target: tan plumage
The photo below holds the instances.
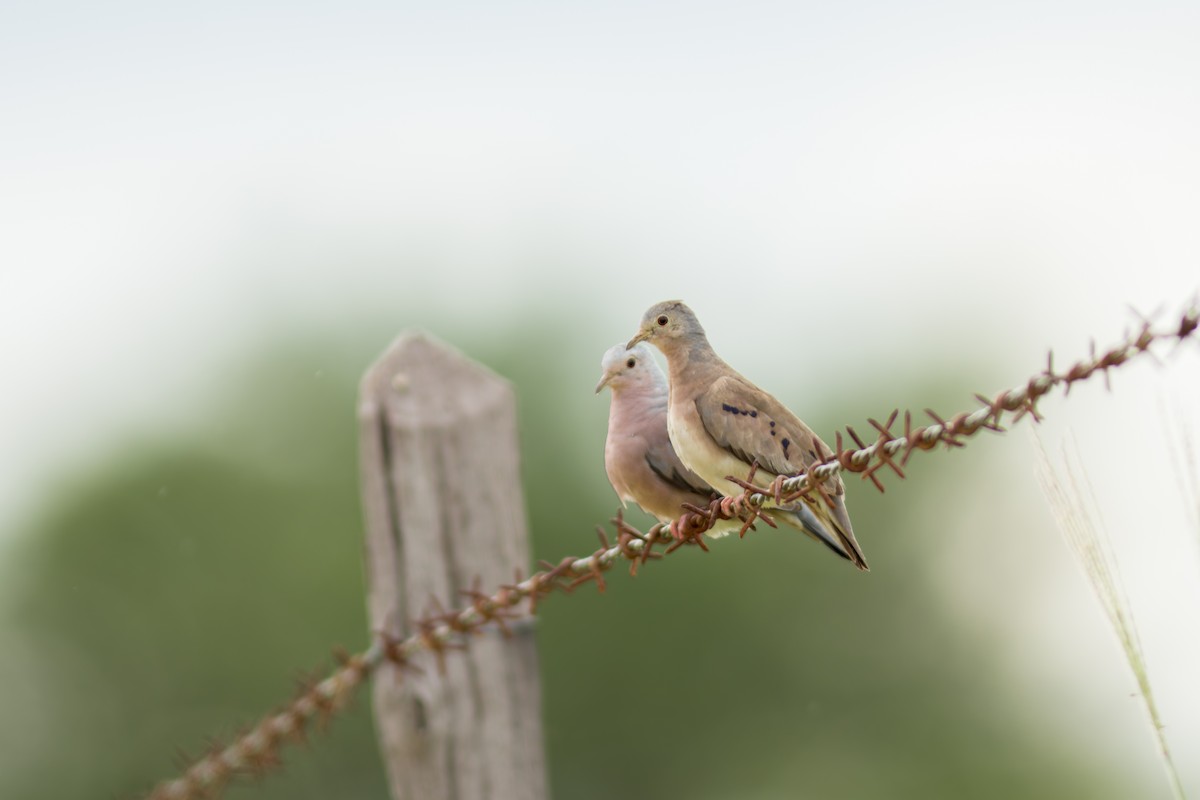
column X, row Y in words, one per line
column 720, row 423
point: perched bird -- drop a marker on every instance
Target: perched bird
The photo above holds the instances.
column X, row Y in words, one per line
column 720, row 424
column 641, row 464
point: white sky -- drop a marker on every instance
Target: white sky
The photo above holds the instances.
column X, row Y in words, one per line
column 174, row 182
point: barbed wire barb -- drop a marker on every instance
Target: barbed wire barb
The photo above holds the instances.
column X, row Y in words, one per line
column 439, row 632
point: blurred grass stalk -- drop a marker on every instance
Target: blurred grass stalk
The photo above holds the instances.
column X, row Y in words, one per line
column 1180, row 444
column 1091, row 544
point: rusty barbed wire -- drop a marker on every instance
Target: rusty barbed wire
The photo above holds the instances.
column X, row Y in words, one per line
column 257, row 750
column 869, row 459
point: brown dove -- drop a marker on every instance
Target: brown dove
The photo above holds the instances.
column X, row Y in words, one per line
column 720, row 423
column 641, row 463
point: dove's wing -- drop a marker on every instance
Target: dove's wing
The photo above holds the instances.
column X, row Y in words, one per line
column 671, row 471
column 752, row 426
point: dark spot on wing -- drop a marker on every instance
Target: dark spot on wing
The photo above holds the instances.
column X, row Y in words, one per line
column 785, row 444
column 721, row 440
column 772, row 423
column 772, row 433
column 745, row 412
column 813, row 455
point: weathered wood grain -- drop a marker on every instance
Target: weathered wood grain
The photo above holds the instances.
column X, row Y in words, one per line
column 443, row 503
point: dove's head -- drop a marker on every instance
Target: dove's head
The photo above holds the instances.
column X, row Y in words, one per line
column 626, row 368
column 669, row 326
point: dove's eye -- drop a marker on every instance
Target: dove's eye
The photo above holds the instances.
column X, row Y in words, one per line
column 662, row 320
column 631, row 363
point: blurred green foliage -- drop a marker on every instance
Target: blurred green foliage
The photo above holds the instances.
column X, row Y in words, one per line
column 172, row 595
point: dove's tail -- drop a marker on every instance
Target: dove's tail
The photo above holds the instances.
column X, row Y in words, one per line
column 840, row 540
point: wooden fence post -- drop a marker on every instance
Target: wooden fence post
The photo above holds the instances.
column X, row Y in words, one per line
column 443, row 504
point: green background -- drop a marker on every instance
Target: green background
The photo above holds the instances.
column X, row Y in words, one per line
column 172, row 592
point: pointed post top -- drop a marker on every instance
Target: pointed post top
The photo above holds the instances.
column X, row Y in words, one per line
column 444, row 507
column 424, row 382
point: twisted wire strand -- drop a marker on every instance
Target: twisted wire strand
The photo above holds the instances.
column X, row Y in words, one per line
column 256, row 750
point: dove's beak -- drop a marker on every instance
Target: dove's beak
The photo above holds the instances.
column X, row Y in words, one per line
column 642, row 336
column 603, row 382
